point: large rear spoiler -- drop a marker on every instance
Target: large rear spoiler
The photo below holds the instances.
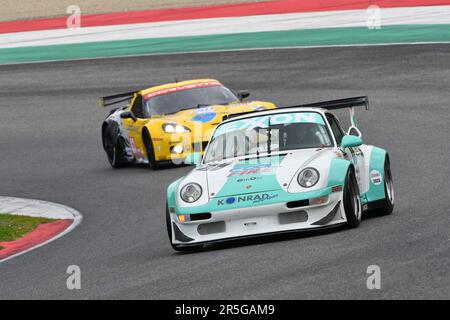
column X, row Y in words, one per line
column 329, row 105
column 337, row 104
column 115, row 99
column 348, row 103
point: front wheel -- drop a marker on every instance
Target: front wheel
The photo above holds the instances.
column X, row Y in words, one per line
column 352, row 200
column 150, row 151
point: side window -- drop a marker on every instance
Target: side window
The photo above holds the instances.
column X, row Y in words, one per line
column 336, row 128
column 137, row 107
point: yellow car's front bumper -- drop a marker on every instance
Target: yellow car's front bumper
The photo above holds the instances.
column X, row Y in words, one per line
column 176, row 149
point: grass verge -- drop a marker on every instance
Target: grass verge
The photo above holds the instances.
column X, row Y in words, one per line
column 13, row 227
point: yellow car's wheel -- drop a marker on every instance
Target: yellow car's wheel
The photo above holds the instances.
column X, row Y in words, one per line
column 114, row 150
column 149, row 148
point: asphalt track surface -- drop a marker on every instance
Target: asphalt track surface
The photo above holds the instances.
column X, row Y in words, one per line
column 51, row 149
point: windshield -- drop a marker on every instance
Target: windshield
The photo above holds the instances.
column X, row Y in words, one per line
column 267, row 134
column 182, row 98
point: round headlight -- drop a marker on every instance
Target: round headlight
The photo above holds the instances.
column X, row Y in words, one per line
column 175, row 128
column 179, row 129
column 308, row 177
column 169, row 128
column 191, row 192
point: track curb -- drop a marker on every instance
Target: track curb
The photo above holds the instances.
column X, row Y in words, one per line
column 39, row 208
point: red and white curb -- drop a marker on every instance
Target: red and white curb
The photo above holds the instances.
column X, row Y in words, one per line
column 67, row 219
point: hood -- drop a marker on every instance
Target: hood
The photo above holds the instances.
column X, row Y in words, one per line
column 214, row 114
column 263, row 174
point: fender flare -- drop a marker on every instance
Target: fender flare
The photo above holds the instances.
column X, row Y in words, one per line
column 338, row 172
column 377, row 160
column 172, row 193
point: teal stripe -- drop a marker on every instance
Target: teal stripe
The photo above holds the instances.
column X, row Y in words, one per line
column 377, row 159
column 276, row 196
column 275, row 39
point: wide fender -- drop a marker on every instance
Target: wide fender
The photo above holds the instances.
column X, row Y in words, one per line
column 338, row 172
column 172, row 190
column 375, row 174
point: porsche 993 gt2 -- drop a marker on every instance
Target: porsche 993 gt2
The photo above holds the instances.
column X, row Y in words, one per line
column 278, row 171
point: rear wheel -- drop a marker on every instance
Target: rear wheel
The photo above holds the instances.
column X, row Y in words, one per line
column 388, row 202
column 149, row 148
column 352, row 200
column 169, row 232
column 114, row 150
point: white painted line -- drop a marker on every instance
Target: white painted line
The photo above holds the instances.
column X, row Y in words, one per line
column 220, row 26
column 31, row 207
column 234, row 50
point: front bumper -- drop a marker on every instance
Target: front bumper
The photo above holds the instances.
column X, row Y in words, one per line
column 258, row 220
column 164, row 150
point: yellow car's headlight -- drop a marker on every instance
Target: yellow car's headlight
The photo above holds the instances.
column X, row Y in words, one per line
column 175, row 128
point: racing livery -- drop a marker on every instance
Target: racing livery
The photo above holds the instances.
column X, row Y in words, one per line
column 278, row 171
column 168, row 122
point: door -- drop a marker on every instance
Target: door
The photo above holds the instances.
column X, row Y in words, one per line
column 133, row 129
column 354, row 155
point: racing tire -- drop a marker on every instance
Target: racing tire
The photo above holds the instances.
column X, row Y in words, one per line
column 387, row 205
column 169, row 232
column 150, row 151
column 352, row 201
column 114, row 151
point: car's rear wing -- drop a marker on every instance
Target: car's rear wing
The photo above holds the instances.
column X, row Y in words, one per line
column 329, row 105
column 338, row 104
column 348, row 103
column 115, row 99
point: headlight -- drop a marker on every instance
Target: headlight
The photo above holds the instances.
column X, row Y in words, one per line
column 191, row 192
column 308, row 177
column 174, row 128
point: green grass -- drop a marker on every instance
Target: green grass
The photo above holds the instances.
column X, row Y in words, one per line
column 14, row 227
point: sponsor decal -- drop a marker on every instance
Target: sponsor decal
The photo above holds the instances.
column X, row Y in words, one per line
column 136, row 151
column 213, row 167
column 251, row 179
column 276, row 119
column 204, row 117
column 375, row 177
column 251, row 169
column 249, row 199
column 182, row 88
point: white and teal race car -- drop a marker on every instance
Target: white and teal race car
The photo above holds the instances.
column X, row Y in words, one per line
column 277, row 171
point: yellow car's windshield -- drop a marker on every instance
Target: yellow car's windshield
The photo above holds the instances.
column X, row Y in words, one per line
column 173, row 102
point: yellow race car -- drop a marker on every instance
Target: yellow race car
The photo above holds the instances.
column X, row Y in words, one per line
column 169, row 122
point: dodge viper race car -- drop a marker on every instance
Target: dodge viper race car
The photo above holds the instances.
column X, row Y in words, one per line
column 279, row 171
column 168, row 122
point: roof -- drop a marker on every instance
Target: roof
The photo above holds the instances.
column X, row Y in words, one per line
column 175, row 85
column 273, row 111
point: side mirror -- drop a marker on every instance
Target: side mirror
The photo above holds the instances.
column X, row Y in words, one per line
column 128, row 115
column 242, row 94
column 351, row 141
column 193, row 158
